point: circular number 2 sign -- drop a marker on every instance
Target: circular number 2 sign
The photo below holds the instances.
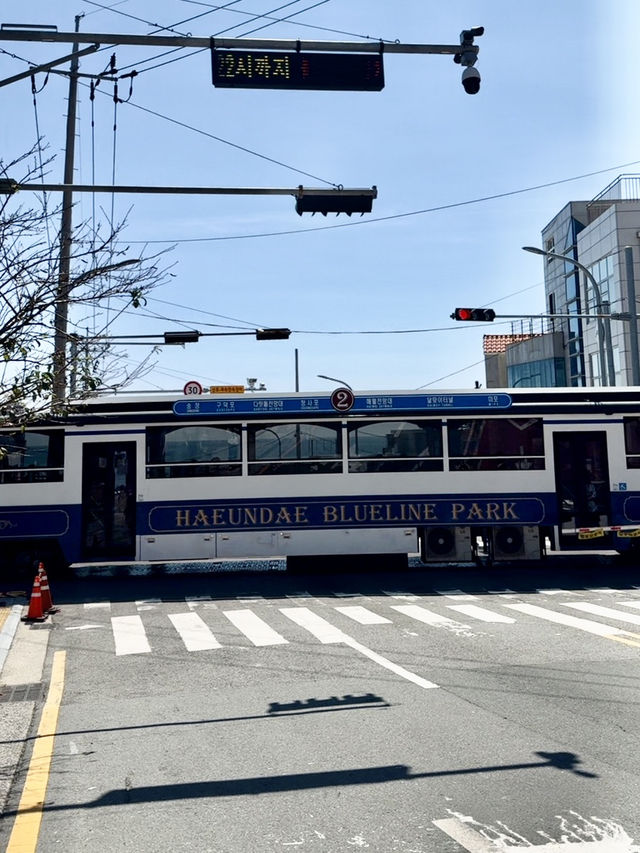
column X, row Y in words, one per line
column 342, row 399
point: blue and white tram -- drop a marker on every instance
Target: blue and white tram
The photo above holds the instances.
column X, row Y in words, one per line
column 260, row 475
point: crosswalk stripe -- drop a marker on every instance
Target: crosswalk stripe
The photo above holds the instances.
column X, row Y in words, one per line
column 94, row 605
column 635, row 604
column 610, row 612
column 316, row 625
column 197, row 600
column 456, row 594
column 254, row 628
column 129, row 635
column 481, row 613
column 194, row 632
column 553, row 591
column 601, row 589
column 363, row 615
column 148, row 603
column 421, row 614
column 409, row 596
column 588, row 625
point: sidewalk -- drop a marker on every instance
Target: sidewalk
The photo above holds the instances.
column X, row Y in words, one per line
column 23, row 648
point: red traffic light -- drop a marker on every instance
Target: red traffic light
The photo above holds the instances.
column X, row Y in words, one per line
column 482, row 315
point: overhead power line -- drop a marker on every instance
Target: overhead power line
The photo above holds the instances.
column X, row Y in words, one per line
column 392, row 216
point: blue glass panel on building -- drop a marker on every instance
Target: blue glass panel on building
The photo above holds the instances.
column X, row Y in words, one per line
column 545, row 373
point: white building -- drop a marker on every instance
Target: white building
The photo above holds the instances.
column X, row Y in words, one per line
column 600, row 235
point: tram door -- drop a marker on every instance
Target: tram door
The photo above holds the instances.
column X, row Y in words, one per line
column 108, row 500
column 582, row 482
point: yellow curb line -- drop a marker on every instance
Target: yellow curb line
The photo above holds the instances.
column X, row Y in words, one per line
column 24, row 835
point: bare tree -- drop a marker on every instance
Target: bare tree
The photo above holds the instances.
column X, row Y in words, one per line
column 102, row 273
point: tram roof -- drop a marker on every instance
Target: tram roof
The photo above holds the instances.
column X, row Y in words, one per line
column 376, row 403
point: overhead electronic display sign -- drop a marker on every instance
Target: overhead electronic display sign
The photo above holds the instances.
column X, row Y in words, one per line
column 260, row 69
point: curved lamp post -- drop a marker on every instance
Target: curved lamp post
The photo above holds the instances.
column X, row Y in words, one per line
column 604, row 327
column 333, row 379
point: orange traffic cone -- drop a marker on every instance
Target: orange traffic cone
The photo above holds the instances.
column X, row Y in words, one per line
column 47, row 601
column 35, row 613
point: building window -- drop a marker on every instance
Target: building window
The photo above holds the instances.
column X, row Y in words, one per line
column 549, row 246
column 603, row 272
column 594, row 368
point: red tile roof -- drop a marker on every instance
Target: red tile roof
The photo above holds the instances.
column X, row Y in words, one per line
column 492, row 344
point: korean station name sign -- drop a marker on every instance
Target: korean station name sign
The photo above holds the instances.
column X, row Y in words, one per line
column 253, row 69
column 362, row 404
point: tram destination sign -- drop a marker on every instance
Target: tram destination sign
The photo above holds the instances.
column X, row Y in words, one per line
column 259, row 69
column 362, row 404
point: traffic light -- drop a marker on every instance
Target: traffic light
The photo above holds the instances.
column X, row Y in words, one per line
column 272, row 334
column 185, row 337
column 483, row 315
column 336, row 201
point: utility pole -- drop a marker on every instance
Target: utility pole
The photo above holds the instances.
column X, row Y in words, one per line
column 61, row 313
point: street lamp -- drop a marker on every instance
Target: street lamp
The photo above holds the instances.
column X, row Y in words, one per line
column 604, row 327
column 333, row 379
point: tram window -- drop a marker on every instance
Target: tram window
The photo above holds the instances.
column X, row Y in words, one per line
column 284, row 448
column 632, row 441
column 32, row 456
column 490, row 444
column 395, row 446
column 193, row 451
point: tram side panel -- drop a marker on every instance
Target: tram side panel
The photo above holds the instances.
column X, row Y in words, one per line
column 336, row 513
column 39, row 503
column 104, row 497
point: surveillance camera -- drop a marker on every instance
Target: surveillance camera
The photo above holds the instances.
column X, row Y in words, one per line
column 471, row 81
column 467, row 36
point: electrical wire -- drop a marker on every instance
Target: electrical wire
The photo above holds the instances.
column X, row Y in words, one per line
column 45, row 206
column 203, row 49
column 455, row 373
column 281, row 20
column 298, row 23
column 160, row 28
column 392, row 216
column 225, row 142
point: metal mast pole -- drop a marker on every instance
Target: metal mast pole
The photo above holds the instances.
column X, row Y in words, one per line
column 633, row 317
column 59, row 388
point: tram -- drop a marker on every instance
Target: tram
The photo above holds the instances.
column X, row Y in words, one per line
column 153, row 479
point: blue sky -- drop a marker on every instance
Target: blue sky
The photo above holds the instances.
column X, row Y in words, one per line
column 556, row 103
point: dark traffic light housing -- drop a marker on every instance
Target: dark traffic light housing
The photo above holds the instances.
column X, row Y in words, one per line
column 335, row 201
column 482, row 315
column 272, row 334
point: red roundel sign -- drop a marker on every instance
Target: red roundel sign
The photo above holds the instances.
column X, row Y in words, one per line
column 192, row 387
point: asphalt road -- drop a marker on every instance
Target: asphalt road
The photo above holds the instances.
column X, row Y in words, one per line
column 434, row 712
